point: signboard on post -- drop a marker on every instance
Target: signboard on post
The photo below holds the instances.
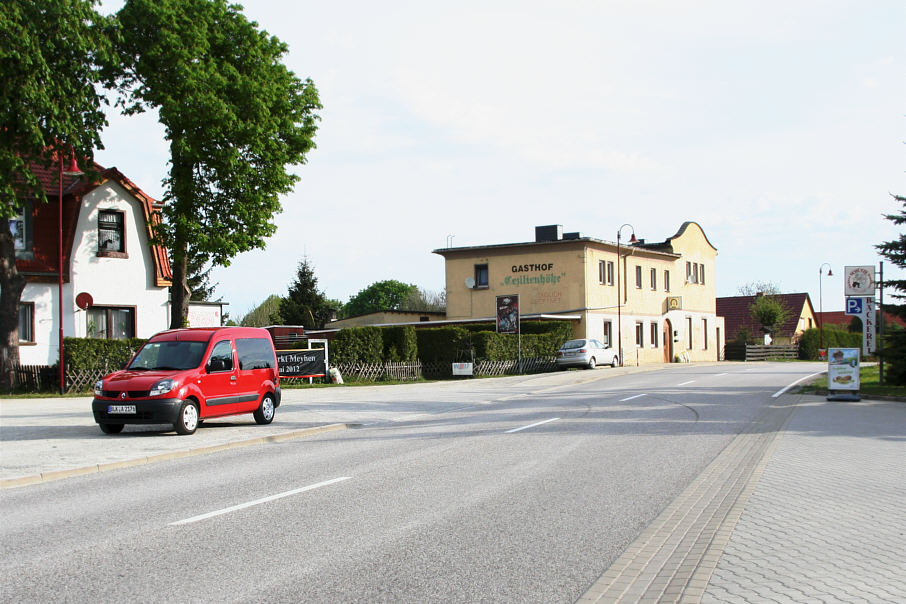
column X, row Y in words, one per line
column 843, row 374
column 854, row 306
column 508, row 314
column 859, row 281
column 869, row 326
column 302, row 363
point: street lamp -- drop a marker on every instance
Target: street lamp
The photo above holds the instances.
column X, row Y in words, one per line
column 821, row 302
column 632, row 239
column 71, row 170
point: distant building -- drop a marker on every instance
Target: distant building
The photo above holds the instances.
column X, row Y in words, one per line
column 737, row 316
column 668, row 297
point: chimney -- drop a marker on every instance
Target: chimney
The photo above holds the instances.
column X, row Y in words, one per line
column 551, row 232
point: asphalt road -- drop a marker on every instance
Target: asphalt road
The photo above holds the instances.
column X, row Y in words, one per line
column 521, row 494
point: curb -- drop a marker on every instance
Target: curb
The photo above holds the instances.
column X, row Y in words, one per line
column 10, row 483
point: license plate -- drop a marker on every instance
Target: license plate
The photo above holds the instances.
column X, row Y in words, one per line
column 120, row 409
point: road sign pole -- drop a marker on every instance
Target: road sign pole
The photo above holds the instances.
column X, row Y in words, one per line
column 880, row 344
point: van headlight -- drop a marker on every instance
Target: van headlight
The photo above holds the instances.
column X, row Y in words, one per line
column 162, row 387
column 99, row 387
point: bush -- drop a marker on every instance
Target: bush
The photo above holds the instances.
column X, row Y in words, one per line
column 400, row 343
column 446, row 344
column 834, row 337
column 491, row 346
column 357, row 345
column 88, row 354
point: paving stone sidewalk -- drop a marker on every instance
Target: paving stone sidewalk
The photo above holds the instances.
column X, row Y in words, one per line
column 827, row 520
column 807, row 505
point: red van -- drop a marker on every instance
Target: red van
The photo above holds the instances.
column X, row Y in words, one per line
column 183, row 376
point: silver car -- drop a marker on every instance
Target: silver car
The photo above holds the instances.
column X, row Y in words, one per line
column 586, row 353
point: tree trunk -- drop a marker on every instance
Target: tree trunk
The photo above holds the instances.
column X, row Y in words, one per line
column 179, row 291
column 11, row 286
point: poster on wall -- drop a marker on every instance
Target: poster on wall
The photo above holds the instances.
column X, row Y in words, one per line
column 508, row 314
column 843, row 374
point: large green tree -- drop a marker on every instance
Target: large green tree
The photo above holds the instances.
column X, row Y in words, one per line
column 51, row 56
column 265, row 314
column 305, row 304
column 235, row 117
column 381, row 295
column 770, row 312
column 895, row 339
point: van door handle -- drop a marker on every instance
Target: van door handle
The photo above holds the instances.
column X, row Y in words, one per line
column 232, row 378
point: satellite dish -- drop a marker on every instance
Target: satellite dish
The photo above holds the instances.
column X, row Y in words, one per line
column 470, row 282
column 84, row 300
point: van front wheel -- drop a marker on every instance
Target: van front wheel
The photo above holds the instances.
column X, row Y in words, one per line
column 265, row 412
column 187, row 422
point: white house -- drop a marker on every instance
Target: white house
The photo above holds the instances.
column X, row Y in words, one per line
column 115, row 282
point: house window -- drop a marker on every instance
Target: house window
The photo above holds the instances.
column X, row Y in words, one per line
column 704, row 334
column 639, row 334
column 111, row 238
column 666, row 281
column 111, row 322
column 26, row 322
column 654, row 334
column 481, row 275
column 638, row 277
column 20, row 227
column 689, row 332
column 608, row 333
column 701, row 274
column 605, row 272
column 653, row 279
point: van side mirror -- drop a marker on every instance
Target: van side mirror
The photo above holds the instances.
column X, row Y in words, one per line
column 215, row 365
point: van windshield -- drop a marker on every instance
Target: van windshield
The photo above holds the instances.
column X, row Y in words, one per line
column 169, row 355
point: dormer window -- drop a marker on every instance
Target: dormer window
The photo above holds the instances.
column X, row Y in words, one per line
column 20, row 227
column 111, row 235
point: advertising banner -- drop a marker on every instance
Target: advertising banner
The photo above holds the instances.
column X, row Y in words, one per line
column 859, row 280
column 302, row 363
column 869, row 326
column 462, row 369
column 508, row 314
column 843, row 370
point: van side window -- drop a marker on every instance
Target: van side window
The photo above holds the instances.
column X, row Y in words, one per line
column 221, row 357
column 255, row 353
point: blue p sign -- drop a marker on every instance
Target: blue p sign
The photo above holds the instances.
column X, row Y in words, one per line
column 854, row 306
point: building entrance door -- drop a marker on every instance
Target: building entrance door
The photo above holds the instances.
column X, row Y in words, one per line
column 668, row 341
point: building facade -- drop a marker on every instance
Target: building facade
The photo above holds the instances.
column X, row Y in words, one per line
column 664, row 310
column 115, row 281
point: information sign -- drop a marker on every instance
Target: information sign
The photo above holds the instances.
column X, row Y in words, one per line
column 302, row 363
column 854, row 306
column 859, row 280
column 843, row 374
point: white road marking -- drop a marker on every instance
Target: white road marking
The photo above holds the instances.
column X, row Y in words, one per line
column 631, row 397
column 785, row 388
column 258, row 501
column 547, row 421
column 684, row 383
column 720, row 374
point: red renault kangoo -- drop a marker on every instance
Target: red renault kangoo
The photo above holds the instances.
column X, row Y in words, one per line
column 183, row 376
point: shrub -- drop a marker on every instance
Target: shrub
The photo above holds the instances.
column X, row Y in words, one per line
column 357, row 345
column 400, row 343
column 491, row 346
column 89, row 354
column 834, row 337
column 445, row 344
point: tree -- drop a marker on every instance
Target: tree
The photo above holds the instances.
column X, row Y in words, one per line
column 381, row 295
column 753, row 288
column 235, row 118
column 425, row 301
column 305, row 304
column 266, row 313
column 198, row 277
column 895, row 340
column 769, row 312
column 51, row 59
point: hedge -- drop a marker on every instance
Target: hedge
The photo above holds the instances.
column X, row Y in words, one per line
column 88, row 354
column 445, row 344
column 358, row 345
column 400, row 343
column 834, row 337
column 491, row 346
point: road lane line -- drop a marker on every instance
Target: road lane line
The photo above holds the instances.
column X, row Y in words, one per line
column 258, row 501
column 631, row 397
column 684, row 383
column 785, row 388
column 547, row 421
column 720, row 374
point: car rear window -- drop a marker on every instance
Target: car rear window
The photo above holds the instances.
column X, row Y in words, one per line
column 255, row 353
column 574, row 344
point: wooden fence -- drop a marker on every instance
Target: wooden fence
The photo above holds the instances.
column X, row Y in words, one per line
column 36, row 378
column 749, row 352
column 440, row 370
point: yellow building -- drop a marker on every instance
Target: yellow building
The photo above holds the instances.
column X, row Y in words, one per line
column 668, row 297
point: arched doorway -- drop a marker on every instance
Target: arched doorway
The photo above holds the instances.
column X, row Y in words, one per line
column 668, row 341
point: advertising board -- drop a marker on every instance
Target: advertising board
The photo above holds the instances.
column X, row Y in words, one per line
column 302, row 363
column 843, row 374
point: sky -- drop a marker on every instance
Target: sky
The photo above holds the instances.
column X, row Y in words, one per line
column 778, row 126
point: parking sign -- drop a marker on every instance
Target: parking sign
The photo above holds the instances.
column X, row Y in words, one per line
column 854, row 306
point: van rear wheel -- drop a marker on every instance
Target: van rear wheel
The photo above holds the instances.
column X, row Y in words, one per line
column 187, row 421
column 265, row 411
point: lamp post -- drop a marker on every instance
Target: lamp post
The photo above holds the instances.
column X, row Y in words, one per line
column 821, row 302
column 632, row 239
column 71, row 170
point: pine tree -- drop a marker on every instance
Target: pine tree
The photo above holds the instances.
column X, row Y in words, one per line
column 305, row 304
column 895, row 340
